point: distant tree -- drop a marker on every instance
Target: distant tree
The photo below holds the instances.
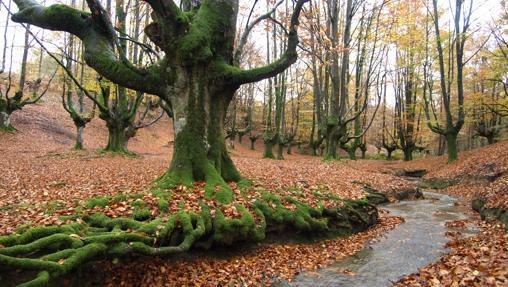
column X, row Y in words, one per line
column 26, row 92
column 454, row 75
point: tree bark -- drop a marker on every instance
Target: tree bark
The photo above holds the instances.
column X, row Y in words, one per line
column 252, row 143
column 79, row 138
column 408, row 153
column 491, row 139
column 200, row 152
column 280, row 150
column 5, row 121
column 451, row 142
column 117, row 140
column 268, row 153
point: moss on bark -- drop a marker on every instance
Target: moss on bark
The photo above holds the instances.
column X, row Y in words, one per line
column 117, row 141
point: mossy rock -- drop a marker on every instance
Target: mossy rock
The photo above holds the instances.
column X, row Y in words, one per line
column 437, row 183
column 417, row 173
column 373, row 195
column 501, row 214
column 409, row 194
column 377, row 198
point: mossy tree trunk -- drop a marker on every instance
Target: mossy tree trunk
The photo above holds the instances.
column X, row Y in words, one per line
column 79, row 138
column 269, row 141
column 200, row 152
column 241, row 133
column 117, row 139
column 454, row 118
column 5, row 121
column 79, row 119
column 280, row 150
column 197, row 76
column 351, row 152
column 363, row 149
column 451, row 143
column 491, row 139
column 331, row 140
column 408, row 153
column 119, row 113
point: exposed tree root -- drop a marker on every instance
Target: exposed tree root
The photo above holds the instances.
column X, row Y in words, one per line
column 56, row 250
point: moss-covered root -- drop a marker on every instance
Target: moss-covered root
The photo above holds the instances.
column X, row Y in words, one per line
column 57, row 250
column 215, row 188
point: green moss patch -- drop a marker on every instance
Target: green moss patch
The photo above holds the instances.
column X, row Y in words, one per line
column 102, row 201
column 437, row 183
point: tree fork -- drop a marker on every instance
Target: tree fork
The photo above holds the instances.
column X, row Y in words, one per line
column 197, row 75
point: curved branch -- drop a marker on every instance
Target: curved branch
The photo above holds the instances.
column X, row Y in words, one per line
column 250, row 26
column 144, row 125
column 289, row 56
column 98, row 45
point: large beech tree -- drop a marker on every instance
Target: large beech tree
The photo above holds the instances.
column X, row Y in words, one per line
column 198, row 75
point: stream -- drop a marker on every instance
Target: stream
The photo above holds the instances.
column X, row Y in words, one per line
column 417, row 242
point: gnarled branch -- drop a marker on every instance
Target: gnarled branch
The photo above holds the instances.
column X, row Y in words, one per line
column 96, row 38
column 289, row 56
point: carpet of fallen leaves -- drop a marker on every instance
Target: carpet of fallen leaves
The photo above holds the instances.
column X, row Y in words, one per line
column 256, row 266
column 480, row 260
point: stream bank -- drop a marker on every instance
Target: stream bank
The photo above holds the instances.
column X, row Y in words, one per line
column 413, row 244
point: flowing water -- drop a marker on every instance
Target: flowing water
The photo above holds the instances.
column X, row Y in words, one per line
column 413, row 244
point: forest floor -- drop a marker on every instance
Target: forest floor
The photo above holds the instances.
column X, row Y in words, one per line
column 42, row 179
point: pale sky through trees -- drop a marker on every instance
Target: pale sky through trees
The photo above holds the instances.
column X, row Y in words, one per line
column 485, row 11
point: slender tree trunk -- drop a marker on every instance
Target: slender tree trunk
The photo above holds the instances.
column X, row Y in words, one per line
column 408, row 153
column 331, row 144
column 351, row 153
column 79, row 138
column 6, row 27
column 389, row 154
column 22, row 75
column 252, row 143
column 441, row 145
column 232, row 138
column 289, row 148
column 280, row 150
column 490, row 139
column 451, row 142
column 5, row 121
